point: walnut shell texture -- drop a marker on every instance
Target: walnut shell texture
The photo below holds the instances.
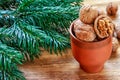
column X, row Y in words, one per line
column 83, row 31
column 104, row 26
column 78, row 24
column 112, row 8
column 115, row 44
column 88, row 14
column 117, row 30
column 118, row 33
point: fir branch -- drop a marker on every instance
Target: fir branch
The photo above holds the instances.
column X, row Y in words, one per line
column 8, row 4
column 49, row 16
column 9, row 58
column 49, row 40
column 28, row 25
column 54, row 42
column 64, row 3
column 7, row 18
column 22, row 23
column 23, row 39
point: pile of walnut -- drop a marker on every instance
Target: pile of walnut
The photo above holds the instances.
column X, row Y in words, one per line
column 94, row 25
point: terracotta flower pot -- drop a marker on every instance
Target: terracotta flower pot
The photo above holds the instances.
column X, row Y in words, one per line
column 91, row 55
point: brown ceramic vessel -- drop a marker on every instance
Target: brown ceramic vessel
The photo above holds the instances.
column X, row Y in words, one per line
column 91, row 55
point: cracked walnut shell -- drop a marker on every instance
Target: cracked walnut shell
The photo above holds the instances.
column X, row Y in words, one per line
column 83, row 31
column 88, row 14
column 103, row 26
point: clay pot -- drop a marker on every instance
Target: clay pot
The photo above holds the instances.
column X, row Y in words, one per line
column 91, row 55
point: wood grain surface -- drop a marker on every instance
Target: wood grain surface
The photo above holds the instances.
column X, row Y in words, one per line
column 65, row 67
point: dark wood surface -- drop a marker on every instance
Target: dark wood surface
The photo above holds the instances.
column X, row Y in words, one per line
column 65, row 67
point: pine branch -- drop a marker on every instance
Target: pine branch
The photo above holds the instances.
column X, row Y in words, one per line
column 9, row 58
column 41, row 3
column 28, row 25
column 33, row 39
column 8, row 4
column 22, row 23
column 52, row 16
column 54, row 42
column 23, row 39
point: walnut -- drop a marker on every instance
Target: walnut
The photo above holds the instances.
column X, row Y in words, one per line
column 112, row 8
column 118, row 33
column 83, row 31
column 115, row 44
column 88, row 14
column 117, row 30
column 103, row 26
column 78, row 24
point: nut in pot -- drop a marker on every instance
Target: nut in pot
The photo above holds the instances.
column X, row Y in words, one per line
column 103, row 26
column 83, row 31
column 88, row 14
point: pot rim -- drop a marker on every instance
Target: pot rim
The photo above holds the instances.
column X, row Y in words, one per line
column 104, row 41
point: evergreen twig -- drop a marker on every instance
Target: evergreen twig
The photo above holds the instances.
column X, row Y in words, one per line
column 28, row 25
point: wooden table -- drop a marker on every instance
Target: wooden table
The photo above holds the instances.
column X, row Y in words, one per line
column 53, row 67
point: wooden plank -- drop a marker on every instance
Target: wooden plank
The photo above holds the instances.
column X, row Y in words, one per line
column 52, row 67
